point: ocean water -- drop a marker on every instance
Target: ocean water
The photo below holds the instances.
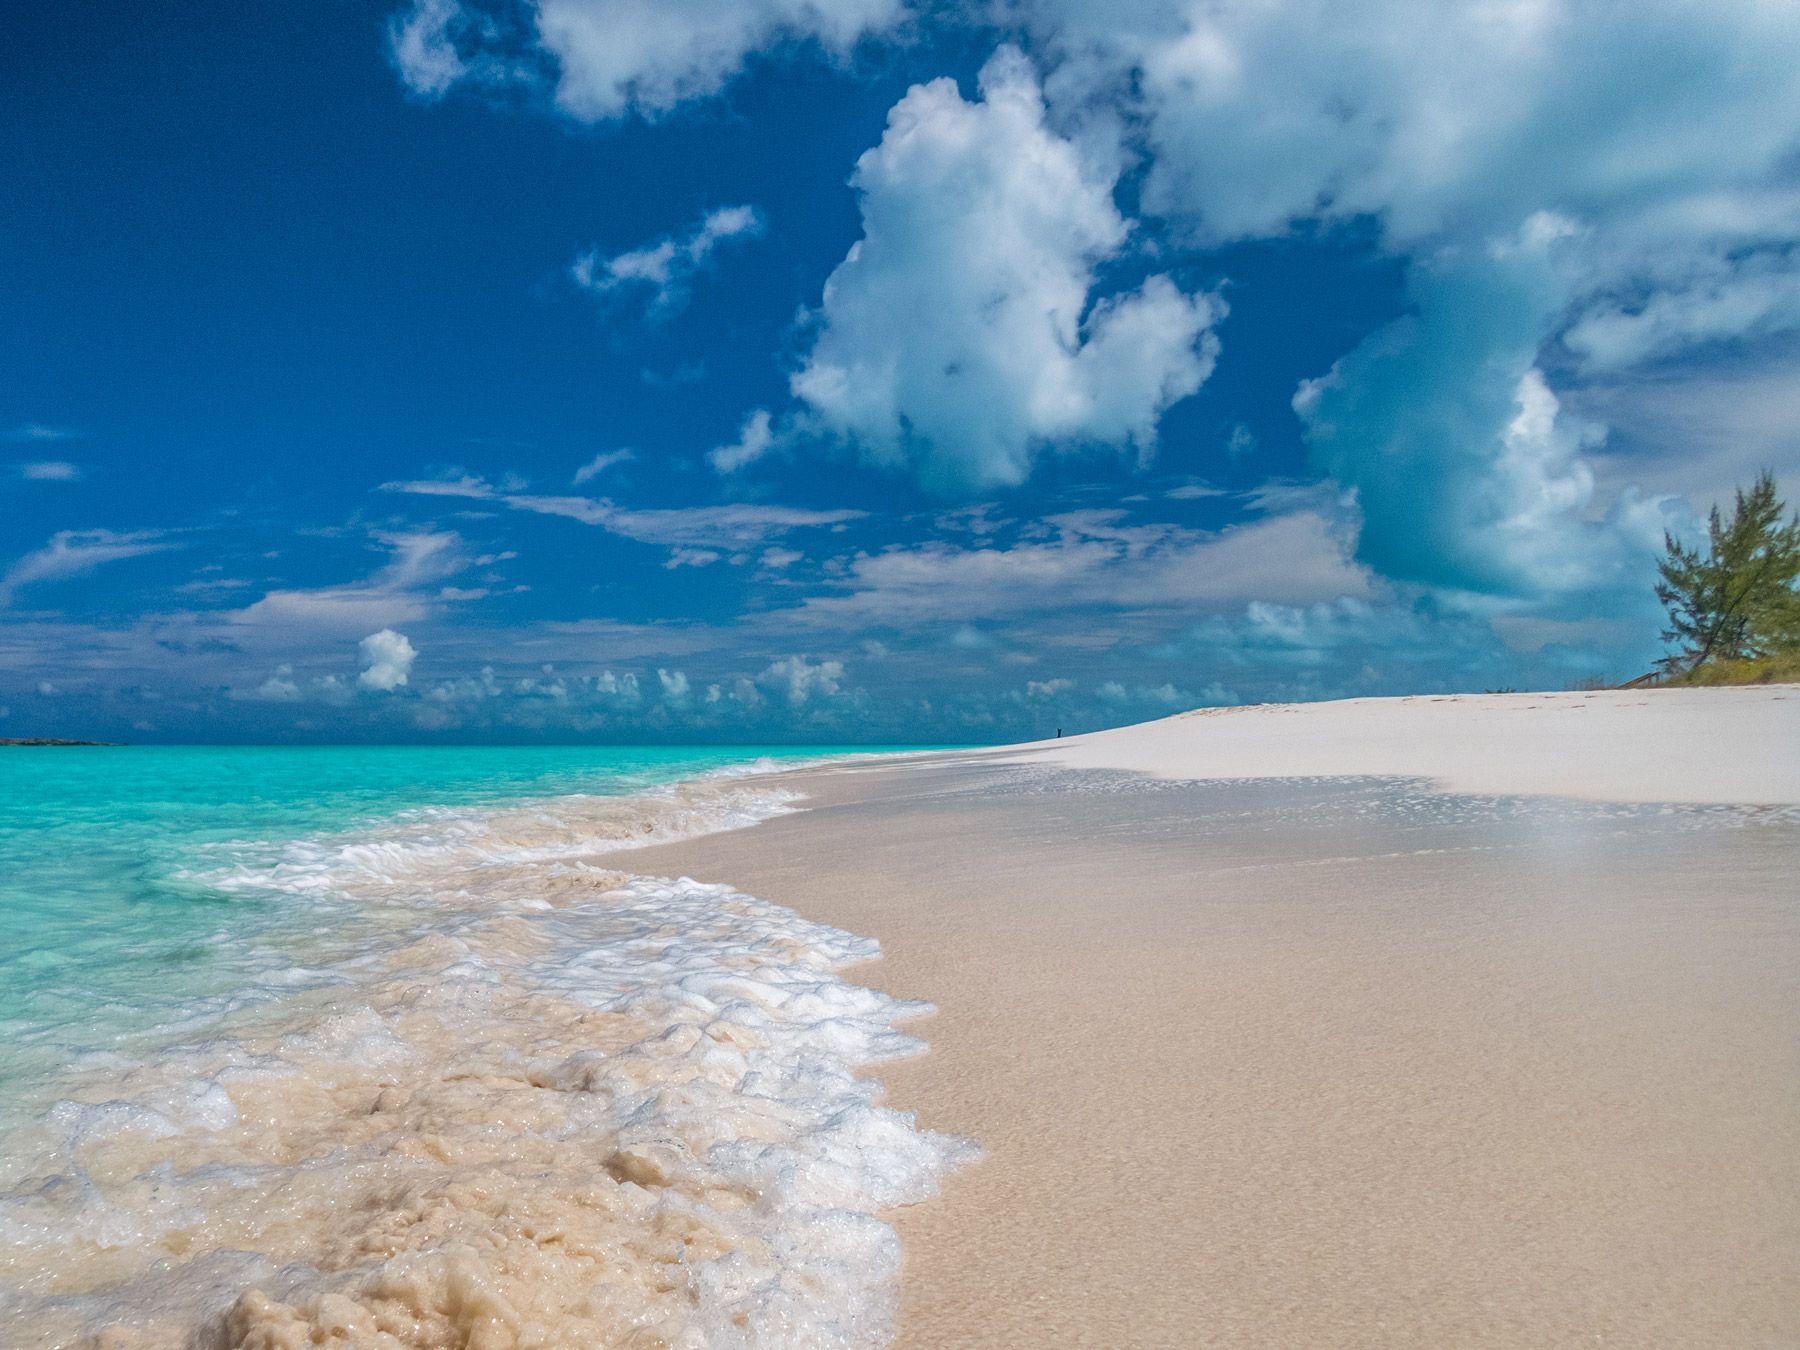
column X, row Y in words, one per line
column 111, row 859
column 376, row 1044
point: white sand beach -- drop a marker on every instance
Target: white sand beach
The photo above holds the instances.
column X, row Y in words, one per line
column 1650, row 745
column 1298, row 1026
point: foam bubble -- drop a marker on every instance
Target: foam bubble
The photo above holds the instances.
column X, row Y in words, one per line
column 516, row 1099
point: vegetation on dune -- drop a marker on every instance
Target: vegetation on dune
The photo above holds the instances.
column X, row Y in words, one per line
column 1782, row 668
column 1734, row 612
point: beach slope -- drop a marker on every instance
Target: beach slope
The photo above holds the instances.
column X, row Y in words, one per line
column 1652, row 745
column 1414, row 1022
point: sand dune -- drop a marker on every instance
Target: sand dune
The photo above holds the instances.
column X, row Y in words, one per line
column 1675, row 745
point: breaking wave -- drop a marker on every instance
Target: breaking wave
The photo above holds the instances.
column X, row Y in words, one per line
column 486, row 1093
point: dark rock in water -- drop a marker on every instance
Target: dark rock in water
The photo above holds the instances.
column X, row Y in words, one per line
column 48, row 740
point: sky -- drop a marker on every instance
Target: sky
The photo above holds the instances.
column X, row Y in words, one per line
column 872, row 371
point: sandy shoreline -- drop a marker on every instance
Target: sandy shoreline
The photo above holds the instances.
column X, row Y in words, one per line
column 1642, row 745
column 1334, row 1063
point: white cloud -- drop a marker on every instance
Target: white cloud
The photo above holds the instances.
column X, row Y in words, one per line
column 1468, row 473
column 1725, row 298
column 600, row 463
column 48, row 471
column 1262, row 114
column 279, row 687
column 777, row 558
column 423, row 44
column 72, row 552
column 1700, row 432
column 1158, row 700
column 387, row 660
column 798, row 680
column 549, row 698
column 405, row 589
column 646, row 56
column 41, row 432
column 622, row 687
column 961, row 335
column 1090, row 559
column 1047, row 688
column 611, row 58
column 734, row 524
column 1616, row 176
column 666, row 269
column 1375, row 645
column 465, row 485
column 753, row 442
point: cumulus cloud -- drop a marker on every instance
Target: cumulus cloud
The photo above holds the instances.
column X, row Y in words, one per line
column 1634, row 160
column 387, row 660
column 279, row 687
column 1260, row 115
column 1411, row 640
column 73, row 552
column 1648, row 150
column 610, row 58
column 961, row 335
column 1442, row 423
column 1163, row 698
column 617, row 686
column 799, row 680
column 664, row 271
column 422, row 41
column 646, row 56
column 1349, row 645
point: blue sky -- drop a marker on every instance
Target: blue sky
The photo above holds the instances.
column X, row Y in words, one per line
column 492, row 370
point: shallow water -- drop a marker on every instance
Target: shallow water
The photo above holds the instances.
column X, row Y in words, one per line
column 374, row 1045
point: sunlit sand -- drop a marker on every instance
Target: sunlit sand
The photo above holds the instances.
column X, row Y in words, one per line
column 1340, row 1061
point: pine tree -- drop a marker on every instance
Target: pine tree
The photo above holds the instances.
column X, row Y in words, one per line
column 1737, row 602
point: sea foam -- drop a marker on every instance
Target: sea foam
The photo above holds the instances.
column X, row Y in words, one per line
column 491, row 1094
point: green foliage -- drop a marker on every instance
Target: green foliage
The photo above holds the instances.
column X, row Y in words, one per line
column 1736, row 602
column 1781, row 668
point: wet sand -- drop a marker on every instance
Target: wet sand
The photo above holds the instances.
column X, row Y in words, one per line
column 1321, row 1062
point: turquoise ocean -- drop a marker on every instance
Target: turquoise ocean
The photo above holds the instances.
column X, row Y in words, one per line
column 108, row 857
